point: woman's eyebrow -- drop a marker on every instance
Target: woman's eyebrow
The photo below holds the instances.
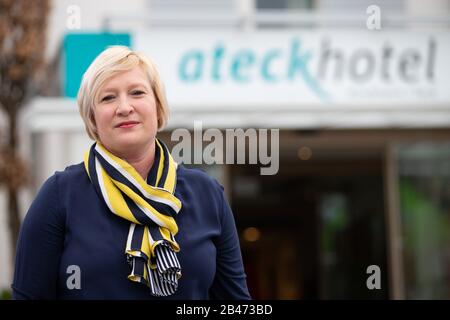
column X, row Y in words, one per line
column 131, row 85
column 107, row 90
column 137, row 84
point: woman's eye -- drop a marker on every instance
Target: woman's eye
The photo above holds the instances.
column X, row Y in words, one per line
column 107, row 98
column 137, row 92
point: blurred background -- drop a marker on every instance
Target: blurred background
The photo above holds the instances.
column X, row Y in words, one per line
column 359, row 89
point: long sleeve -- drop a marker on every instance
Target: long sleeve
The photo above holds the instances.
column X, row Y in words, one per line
column 39, row 247
column 230, row 279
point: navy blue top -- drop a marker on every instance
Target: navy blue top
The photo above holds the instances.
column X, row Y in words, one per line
column 68, row 224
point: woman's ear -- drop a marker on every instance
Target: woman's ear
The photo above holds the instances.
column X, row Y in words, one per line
column 93, row 123
column 158, row 114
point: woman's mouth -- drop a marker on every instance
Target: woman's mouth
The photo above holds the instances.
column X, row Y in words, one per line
column 127, row 124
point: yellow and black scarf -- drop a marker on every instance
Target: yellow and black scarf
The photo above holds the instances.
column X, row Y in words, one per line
column 150, row 206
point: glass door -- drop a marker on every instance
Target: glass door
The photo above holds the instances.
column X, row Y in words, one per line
column 423, row 177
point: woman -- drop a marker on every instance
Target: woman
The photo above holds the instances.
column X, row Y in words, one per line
column 128, row 222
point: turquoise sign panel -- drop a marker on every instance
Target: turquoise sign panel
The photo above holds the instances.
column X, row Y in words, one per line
column 80, row 49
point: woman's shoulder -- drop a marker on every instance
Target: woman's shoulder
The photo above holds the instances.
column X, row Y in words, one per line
column 198, row 179
column 58, row 188
column 51, row 198
column 71, row 174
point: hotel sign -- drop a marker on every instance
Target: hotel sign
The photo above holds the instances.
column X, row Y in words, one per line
column 307, row 69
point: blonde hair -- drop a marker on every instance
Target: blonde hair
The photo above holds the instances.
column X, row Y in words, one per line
column 110, row 62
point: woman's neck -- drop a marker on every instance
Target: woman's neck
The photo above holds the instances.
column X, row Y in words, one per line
column 142, row 160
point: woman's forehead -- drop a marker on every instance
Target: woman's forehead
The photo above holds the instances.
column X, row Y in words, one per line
column 126, row 79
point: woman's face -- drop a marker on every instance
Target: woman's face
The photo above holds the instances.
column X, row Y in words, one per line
column 126, row 114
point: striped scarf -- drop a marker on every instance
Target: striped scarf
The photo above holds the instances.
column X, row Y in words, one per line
column 150, row 206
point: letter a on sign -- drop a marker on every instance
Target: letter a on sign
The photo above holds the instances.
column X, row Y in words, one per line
column 374, row 281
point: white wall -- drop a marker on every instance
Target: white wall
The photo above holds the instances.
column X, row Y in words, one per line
column 92, row 14
column 128, row 14
column 423, row 8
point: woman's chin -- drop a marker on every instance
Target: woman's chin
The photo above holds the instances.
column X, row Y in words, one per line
column 128, row 138
column 129, row 143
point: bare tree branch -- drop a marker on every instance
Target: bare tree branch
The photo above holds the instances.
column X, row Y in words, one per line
column 23, row 26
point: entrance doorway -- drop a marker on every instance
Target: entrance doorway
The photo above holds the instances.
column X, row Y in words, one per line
column 312, row 230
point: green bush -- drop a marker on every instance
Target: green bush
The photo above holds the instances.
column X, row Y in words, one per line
column 5, row 294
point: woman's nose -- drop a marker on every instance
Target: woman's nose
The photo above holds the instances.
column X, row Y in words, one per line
column 124, row 107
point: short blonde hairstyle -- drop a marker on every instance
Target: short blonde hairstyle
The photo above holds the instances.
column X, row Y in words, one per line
column 110, row 62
